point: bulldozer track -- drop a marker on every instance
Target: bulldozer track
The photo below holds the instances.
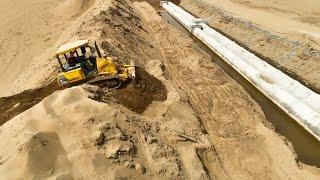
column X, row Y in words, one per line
column 105, row 81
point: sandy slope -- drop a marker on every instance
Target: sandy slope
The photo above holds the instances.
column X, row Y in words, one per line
column 189, row 120
column 103, row 141
column 291, row 18
column 27, row 29
column 68, row 134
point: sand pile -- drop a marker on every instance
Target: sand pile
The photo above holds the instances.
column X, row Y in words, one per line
column 140, row 93
column 72, row 8
column 182, row 118
column 98, row 140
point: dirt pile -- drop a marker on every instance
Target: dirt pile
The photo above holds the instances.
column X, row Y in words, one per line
column 136, row 95
column 106, row 139
column 72, row 8
column 127, row 40
column 139, row 94
column 193, row 121
column 98, row 140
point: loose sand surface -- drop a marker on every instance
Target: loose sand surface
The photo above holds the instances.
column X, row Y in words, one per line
column 183, row 117
column 292, row 18
column 28, row 29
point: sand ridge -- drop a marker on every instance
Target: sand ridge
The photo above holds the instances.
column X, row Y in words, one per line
column 183, row 118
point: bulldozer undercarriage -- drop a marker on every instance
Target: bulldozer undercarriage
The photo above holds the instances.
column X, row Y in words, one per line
column 105, row 82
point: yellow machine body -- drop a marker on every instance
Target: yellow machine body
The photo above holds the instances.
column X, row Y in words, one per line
column 74, row 75
column 106, row 66
column 100, row 66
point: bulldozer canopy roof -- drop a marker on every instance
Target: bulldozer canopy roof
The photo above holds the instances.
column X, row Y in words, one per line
column 71, row 46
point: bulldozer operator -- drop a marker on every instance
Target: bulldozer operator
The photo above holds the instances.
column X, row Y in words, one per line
column 87, row 62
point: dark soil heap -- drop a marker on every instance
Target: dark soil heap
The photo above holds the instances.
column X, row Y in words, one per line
column 139, row 94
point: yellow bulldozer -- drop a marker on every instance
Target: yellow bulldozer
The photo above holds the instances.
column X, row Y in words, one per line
column 81, row 62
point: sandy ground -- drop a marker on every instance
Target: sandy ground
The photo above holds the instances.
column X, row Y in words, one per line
column 291, row 18
column 182, row 118
column 241, row 135
column 27, row 30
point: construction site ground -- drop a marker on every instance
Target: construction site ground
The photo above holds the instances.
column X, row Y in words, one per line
column 183, row 117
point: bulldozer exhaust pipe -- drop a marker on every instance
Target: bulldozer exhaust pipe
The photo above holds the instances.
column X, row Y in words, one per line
column 97, row 49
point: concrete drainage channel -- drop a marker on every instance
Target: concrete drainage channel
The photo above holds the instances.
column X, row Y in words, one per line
column 291, row 119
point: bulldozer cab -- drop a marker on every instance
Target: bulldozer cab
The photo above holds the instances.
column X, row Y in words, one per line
column 80, row 61
column 77, row 55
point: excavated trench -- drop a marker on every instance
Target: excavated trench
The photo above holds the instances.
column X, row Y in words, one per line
column 138, row 94
column 304, row 144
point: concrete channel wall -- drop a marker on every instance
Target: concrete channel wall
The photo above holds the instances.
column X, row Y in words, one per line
column 299, row 102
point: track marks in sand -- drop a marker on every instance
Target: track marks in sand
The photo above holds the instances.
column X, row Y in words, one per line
column 24, row 27
column 227, row 112
column 27, row 29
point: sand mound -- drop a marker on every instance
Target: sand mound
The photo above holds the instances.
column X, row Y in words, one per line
column 71, row 8
column 45, row 155
column 38, row 147
column 207, row 127
column 96, row 141
column 136, row 95
column 40, row 156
